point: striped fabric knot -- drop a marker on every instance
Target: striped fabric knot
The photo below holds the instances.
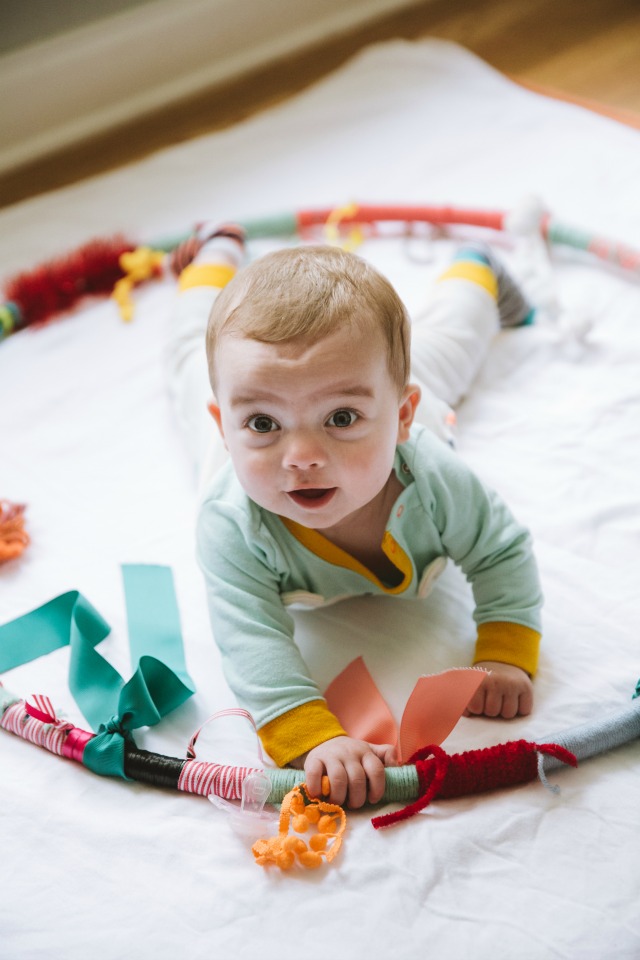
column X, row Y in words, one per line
column 41, row 708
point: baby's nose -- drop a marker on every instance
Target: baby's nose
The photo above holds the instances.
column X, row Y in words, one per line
column 304, row 451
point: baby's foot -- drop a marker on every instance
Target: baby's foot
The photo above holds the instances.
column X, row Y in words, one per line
column 220, row 243
column 513, row 307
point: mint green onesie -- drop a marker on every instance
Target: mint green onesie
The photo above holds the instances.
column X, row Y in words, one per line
column 256, row 565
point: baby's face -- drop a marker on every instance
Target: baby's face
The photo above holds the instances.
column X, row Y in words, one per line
column 311, row 430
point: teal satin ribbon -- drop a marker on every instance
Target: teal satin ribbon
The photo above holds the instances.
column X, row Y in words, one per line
column 160, row 681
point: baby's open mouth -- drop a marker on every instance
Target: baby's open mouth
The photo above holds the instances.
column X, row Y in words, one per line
column 312, row 496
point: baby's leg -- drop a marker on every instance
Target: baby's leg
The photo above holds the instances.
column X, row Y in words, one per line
column 215, row 263
column 450, row 339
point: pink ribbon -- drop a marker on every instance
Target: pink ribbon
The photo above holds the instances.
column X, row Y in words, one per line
column 436, row 704
column 75, row 742
column 76, row 739
column 43, row 710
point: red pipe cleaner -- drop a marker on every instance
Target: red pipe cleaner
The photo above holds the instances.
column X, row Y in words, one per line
column 442, row 775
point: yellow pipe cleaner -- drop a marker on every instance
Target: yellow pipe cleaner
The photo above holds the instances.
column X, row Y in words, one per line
column 138, row 265
column 332, row 228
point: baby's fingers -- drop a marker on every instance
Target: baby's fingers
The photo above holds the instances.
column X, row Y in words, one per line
column 373, row 767
column 357, row 783
column 314, row 770
column 385, row 752
column 475, row 707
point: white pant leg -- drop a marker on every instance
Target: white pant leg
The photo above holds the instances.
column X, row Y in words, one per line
column 450, row 340
column 188, row 380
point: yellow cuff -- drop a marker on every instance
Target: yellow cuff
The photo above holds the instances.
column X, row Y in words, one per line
column 205, row 275
column 474, row 272
column 508, row 643
column 299, row 730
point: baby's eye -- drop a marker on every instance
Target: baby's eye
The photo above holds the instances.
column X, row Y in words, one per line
column 342, row 418
column 261, row 423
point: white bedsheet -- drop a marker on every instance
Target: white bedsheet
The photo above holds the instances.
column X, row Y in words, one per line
column 101, row 868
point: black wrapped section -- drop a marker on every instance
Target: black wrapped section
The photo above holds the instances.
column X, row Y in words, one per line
column 151, row 768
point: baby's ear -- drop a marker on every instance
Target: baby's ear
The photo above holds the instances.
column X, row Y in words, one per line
column 214, row 410
column 408, row 404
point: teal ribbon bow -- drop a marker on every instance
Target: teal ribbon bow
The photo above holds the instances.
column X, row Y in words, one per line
column 113, row 708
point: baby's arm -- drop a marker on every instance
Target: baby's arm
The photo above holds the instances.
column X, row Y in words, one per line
column 266, row 671
column 355, row 769
column 506, row 692
column 495, row 553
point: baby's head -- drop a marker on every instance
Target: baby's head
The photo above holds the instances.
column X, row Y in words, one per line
column 308, row 355
column 304, row 294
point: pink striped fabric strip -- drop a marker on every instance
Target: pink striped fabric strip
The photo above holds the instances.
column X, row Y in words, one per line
column 16, row 720
column 203, row 778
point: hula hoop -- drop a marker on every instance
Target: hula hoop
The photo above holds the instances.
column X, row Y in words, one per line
column 432, row 774
column 57, row 286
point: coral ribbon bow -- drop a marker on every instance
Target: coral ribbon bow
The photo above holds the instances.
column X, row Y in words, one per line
column 436, row 704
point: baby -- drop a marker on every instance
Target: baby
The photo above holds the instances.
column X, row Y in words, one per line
column 331, row 489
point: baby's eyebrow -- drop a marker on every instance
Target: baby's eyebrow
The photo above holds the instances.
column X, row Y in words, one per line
column 246, row 401
column 348, row 390
column 357, row 390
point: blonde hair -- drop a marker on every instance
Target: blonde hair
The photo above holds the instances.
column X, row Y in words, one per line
column 310, row 292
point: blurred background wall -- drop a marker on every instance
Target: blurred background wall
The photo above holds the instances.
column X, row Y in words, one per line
column 73, row 69
column 28, row 21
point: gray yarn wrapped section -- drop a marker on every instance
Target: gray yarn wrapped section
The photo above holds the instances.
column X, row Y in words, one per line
column 401, row 784
column 597, row 736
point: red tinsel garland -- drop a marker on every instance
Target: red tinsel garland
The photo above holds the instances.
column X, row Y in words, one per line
column 58, row 285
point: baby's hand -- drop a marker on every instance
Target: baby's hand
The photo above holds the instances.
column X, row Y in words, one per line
column 355, row 769
column 506, row 692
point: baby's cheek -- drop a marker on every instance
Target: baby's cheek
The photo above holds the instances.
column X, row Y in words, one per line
column 258, row 477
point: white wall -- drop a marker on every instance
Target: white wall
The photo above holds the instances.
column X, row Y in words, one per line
column 87, row 80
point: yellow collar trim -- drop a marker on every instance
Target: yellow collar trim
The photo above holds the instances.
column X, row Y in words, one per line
column 323, row 548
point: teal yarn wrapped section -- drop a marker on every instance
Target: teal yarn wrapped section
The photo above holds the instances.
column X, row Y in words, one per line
column 569, row 236
column 401, row 784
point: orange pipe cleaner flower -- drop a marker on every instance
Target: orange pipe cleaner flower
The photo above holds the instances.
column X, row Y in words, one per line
column 13, row 537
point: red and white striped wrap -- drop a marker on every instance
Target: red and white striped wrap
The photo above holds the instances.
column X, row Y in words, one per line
column 51, row 736
column 203, row 778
